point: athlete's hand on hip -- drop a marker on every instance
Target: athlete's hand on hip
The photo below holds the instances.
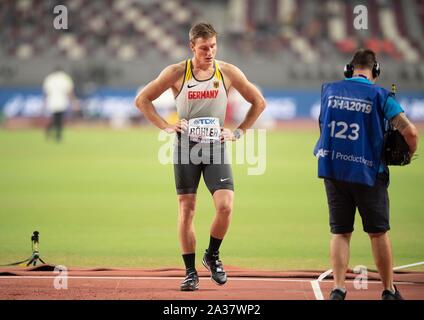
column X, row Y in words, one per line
column 180, row 126
column 227, row 135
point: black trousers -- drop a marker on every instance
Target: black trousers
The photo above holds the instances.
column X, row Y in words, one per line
column 56, row 125
column 372, row 203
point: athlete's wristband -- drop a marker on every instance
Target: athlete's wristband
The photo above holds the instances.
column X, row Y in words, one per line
column 237, row 133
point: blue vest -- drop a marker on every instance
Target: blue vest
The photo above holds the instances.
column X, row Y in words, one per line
column 352, row 129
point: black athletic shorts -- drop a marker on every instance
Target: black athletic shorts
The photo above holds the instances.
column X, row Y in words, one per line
column 372, row 203
column 197, row 158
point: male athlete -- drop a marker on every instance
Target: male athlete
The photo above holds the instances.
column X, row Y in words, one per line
column 200, row 86
column 354, row 114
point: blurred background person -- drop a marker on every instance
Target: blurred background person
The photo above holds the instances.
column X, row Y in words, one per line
column 58, row 89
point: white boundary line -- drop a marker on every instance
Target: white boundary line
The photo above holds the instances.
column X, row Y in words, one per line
column 408, row 265
column 317, row 289
column 324, row 275
column 171, row 278
column 315, row 284
column 151, row 278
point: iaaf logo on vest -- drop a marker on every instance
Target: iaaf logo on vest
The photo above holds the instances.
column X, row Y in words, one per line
column 204, row 121
column 322, row 153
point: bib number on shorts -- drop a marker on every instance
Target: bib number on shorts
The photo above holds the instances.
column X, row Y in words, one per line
column 204, row 129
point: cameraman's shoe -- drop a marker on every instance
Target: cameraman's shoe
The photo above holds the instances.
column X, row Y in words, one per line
column 337, row 294
column 214, row 265
column 191, row 282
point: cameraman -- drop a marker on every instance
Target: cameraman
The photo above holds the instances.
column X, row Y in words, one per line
column 353, row 118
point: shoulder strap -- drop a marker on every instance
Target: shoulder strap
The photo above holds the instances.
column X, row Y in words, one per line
column 188, row 74
column 218, row 74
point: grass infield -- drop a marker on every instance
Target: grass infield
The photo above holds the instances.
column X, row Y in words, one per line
column 102, row 199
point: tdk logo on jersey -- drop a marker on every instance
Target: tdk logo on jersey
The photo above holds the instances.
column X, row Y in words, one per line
column 204, row 121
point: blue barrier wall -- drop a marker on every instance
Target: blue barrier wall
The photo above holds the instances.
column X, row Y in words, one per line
column 108, row 102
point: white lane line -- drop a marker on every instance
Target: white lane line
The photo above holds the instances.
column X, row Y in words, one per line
column 176, row 278
column 325, row 274
column 150, row 278
column 315, row 285
column 317, row 290
column 408, row 265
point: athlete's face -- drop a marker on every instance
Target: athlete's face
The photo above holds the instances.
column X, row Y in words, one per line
column 204, row 50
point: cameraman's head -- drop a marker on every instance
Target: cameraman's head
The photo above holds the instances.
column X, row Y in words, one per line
column 364, row 63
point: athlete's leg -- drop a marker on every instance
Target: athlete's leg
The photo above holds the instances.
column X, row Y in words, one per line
column 218, row 177
column 382, row 252
column 223, row 200
column 219, row 180
column 187, row 237
column 339, row 256
column 186, row 232
column 187, row 177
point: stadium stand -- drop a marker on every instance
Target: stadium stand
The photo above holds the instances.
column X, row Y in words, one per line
column 301, row 42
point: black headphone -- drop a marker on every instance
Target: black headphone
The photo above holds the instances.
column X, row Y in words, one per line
column 348, row 70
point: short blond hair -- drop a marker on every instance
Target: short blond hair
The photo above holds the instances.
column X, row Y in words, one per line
column 202, row 30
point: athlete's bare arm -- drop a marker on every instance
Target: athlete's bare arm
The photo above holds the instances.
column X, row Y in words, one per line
column 170, row 77
column 235, row 78
column 407, row 129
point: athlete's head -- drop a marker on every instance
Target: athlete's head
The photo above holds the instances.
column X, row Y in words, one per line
column 203, row 42
column 363, row 62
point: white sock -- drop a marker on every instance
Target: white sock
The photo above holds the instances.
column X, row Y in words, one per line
column 341, row 289
column 392, row 290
